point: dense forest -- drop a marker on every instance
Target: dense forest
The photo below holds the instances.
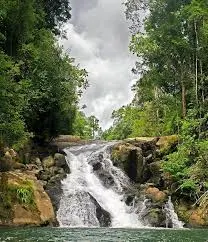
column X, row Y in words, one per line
column 40, row 85
column 171, row 94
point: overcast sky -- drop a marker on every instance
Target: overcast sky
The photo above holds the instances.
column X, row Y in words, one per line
column 98, row 38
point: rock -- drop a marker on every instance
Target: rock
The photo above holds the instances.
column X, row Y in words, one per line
column 23, row 216
column 68, row 138
column 57, row 178
column 193, row 216
column 102, row 215
column 129, row 158
column 35, row 210
column 54, row 190
column 7, row 155
column 48, row 162
column 60, row 160
column 37, row 162
column 97, row 166
column 19, row 166
column 32, row 167
column 12, row 153
column 165, row 143
column 6, row 162
column 147, row 144
column 155, row 217
column 197, row 218
column 44, row 175
column 155, row 167
column 155, row 194
column 98, row 163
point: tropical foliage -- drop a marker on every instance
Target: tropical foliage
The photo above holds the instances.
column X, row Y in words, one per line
column 40, row 86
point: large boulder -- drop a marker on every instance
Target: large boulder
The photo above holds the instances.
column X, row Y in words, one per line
column 129, row 158
column 166, row 143
column 156, row 195
column 48, row 162
column 23, row 200
column 60, row 161
column 155, row 217
column 147, row 144
column 6, row 162
column 102, row 215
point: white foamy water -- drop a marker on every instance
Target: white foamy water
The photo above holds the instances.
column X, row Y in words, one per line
column 171, row 215
column 77, row 208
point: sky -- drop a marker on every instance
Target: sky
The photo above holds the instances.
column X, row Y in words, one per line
column 98, row 38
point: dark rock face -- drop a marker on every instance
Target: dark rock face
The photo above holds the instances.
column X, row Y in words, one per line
column 51, row 171
column 135, row 165
column 103, row 216
column 104, row 175
column 54, row 190
column 130, row 159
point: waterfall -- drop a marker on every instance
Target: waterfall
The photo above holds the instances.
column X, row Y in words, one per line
column 94, row 191
column 171, row 216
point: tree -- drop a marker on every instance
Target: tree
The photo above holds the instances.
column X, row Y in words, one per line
column 12, row 127
column 35, row 72
column 56, row 13
column 94, row 124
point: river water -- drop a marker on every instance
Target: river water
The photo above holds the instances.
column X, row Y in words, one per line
column 102, row 234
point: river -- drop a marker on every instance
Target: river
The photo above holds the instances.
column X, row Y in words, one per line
column 102, row 234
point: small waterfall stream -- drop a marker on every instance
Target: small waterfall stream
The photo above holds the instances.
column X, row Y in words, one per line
column 171, row 215
column 95, row 192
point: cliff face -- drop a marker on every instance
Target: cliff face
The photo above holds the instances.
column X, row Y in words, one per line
column 141, row 159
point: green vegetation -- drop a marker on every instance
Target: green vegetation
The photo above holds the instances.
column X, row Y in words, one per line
column 188, row 165
column 40, row 86
column 22, row 193
column 11, row 194
column 86, row 127
column 171, row 95
column 25, row 193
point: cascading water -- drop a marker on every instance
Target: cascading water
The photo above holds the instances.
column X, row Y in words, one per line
column 171, row 216
column 98, row 194
column 94, row 192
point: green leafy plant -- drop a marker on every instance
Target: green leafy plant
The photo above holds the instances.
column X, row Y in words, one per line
column 25, row 195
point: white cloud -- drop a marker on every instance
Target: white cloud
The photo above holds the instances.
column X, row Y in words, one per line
column 98, row 38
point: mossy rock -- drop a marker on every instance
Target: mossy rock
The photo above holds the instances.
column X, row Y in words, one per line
column 155, row 217
column 194, row 216
column 48, row 162
column 24, row 200
column 166, row 143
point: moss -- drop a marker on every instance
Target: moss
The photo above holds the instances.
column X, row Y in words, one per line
column 183, row 211
column 167, row 144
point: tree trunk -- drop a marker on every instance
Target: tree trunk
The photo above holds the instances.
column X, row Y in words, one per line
column 196, row 61
column 183, row 100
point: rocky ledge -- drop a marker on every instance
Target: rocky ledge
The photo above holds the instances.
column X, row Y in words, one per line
column 30, row 193
column 141, row 159
column 23, row 200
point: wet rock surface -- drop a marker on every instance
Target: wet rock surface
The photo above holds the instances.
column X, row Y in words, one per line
column 103, row 216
